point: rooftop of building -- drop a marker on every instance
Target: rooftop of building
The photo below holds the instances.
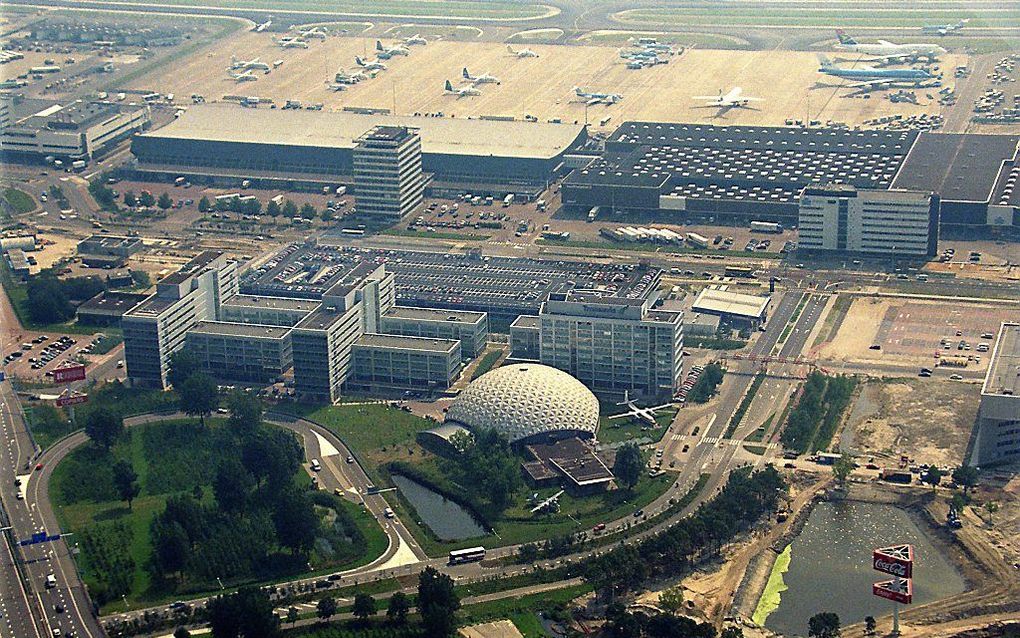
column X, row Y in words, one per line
column 39, row 114
column 231, row 329
column 1003, row 377
column 303, row 271
column 320, row 319
column 730, row 303
column 387, row 133
column 112, row 302
column 340, row 129
column 434, row 314
column 109, row 241
column 277, row 303
column 353, row 279
column 531, row 322
column 398, row 342
column 957, row 166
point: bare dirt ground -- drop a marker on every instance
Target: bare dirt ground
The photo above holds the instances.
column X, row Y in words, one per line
column 542, row 87
column 930, row 420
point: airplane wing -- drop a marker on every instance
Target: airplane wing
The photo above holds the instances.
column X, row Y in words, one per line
column 886, row 43
column 732, row 95
column 713, row 98
column 876, row 82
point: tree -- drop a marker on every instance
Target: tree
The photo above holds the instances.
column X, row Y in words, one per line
column 308, row 211
column 182, row 365
column 492, row 468
column 245, row 412
column 295, row 520
column 182, row 632
column 102, row 194
column 126, row 480
column 528, row 553
column 824, row 625
column 165, row 202
column 247, row 613
column 272, row 455
column 104, row 427
column 204, row 205
column 932, row 476
column 170, row 546
column 273, row 208
column 364, row 606
column 130, row 199
column 991, row 507
column 732, row 632
column 327, row 214
column 437, row 602
column 232, row 485
column 199, row 396
column 869, row 625
column 628, row 465
column 292, row 615
column 326, row 608
column 842, row 468
column 966, row 476
column 398, row 608
column 290, row 209
column 147, row 199
column 671, row 600
column 141, row 278
column 47, row 302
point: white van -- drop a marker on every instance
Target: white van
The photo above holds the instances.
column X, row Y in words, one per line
column 315, row 465
column 51, row 581
column 388, row 513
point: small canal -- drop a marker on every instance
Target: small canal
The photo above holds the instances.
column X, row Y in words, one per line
column 448, row 520
column 830, row 565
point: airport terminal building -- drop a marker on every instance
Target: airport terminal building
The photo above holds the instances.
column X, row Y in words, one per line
column 212, row 142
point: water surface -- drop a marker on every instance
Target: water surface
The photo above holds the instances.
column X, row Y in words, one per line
column 449, row 521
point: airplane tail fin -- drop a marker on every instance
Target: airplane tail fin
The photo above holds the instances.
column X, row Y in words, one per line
column 449, row 86
column 824, row 61
column 844, row 38
column 511, row 50
column 464, row 73
column 378, row 45
column 359, row 61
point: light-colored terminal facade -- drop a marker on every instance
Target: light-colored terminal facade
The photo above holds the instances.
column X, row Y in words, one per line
column 997, row 438
column 841, row 218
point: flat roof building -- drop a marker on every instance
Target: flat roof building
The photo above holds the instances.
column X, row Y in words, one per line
column 270, row 311
column 524, row 338
column 239, row 351
column 388, row 178
column 76, row 131
column 733, row 306
column 470, row 328
column 381, row 361
column 997, row 438
column 106, row 308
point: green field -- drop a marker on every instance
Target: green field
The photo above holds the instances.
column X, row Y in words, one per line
column 18, row 294
column 772, row 596
column 615, row 430
column 486, row 364
column 833, row 15
column 452, row 10
column 434, row 234
column 21, row 201
column 170, row 457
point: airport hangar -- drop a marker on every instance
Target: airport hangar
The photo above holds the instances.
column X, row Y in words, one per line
column 737, row 174
column 310, row 149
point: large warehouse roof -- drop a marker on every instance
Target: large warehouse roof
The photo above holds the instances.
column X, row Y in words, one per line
column 526, row 400
column 439, row 135
column 730, row 303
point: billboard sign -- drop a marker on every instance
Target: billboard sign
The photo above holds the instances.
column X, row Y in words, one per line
column 67, row 374
column 897, row 590
column 72, row 399
column 897, row 560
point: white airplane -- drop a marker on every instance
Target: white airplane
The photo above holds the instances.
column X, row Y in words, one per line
column 385, row 53
column 657, row 46
column 944, row 29
column 597, row 98
column 645, row 414
column 522, row 53
column 732, row 100
column 465, row 91
column 374, row 65
column 314, row 32
column 244, row 65
column 554, row 499
column 484, row 78
column 259, row 28
column 415, row 39
column 244, row 76
column 343, row 77
column 336, row 88
column 628, row 54
column 887, row 50
column 291, row 43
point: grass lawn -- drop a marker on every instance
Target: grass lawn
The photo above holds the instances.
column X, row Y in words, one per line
column 450, row 9
column 815, row 15
column 435, row 234
column 18, row 294
column 615, row 430
column 529, row 624
column 170, row 457
column 504, row 607
column 21, row 201
column 486, row 364
column 714, row 343
column 834, row 319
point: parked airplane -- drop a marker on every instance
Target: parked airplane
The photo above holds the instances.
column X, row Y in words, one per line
column 415, row 39
column 314, row 32
column 732, row 100
column 374, row 65
column 343, row 77
column 244, row 65
column 597, row 98
column 657, row 46
column 522, row 53
column 259, row 28
column 244, row 76
column 337, row 87
column 870, row 76
column 484, row 78
column 291, row 43
column 645, row 414
column 887, row 50
column 644, row 63
column 384, row 53
column 944, row 29
column 465, row 91
column 629, row 54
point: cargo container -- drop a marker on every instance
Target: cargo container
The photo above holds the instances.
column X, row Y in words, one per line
column 766, row 227
column 697, row 240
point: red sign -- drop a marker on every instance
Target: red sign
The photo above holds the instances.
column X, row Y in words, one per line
column 897, row 590
column 73, row 399
column 75, row 372
column 897, row 560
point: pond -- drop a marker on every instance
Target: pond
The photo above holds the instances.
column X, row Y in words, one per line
column 830, row 565
column 449, row 521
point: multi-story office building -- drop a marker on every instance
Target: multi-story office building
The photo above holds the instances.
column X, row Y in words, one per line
column 399, row 362
column 240, row 351
column 613, row 344
column 470, row 328
column 269, row 311
column 524, row 338
column 839, row 217
column 322, row 341
column 76, row 131
column 388, row 177
column 997, row 438
column 157, row 326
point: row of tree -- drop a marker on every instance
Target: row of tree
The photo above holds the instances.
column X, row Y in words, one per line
column 50, row 298
column 814, row 419
column 704, row 388
column 288, row 209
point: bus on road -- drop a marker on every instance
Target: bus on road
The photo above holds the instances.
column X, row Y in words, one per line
column 469, row 555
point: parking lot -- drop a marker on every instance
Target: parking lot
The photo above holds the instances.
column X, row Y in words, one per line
column 38, row 357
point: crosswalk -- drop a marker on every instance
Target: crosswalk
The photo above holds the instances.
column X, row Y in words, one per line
column 304, row 608
column 718, row 441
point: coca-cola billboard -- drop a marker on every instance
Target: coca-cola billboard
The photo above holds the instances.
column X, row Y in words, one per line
column 896, row 561
column 900, row 591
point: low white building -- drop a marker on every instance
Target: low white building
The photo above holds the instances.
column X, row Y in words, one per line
column 997, row 439
column 841, row 218
column 749, row 310
column 76, row 131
